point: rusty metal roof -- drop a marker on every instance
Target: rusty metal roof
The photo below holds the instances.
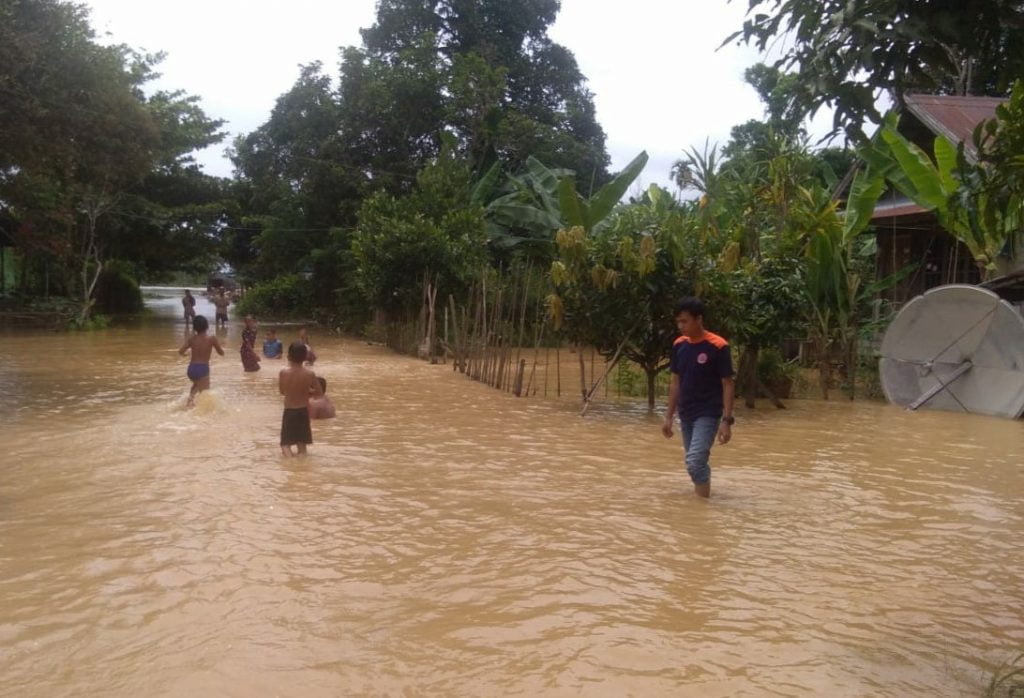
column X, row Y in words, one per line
column 951, row 116
column 944, row 115
column 897, row 209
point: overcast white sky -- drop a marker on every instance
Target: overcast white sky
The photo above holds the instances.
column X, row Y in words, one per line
column 659, row 82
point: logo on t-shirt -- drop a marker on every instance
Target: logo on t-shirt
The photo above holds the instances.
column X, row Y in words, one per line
column 702, row 358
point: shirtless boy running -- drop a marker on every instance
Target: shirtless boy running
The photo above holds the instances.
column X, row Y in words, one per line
column 297, row 383
column 202, row 346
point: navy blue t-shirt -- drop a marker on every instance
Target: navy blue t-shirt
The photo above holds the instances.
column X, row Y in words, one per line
column 701, row 366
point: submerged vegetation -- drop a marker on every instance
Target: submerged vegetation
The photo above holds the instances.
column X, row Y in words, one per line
column 1007, row 680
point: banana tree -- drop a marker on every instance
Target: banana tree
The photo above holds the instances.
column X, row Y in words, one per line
column 527, row 206
column 540, row 201
column 592, row 214
column 835, row 256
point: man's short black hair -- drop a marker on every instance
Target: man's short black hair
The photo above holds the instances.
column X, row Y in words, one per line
column 200, row 323
column 296, row 352
column 689, row 304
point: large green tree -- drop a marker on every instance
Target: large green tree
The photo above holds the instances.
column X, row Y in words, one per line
column 90, row 166
column 75, row 133
column 434, row 234
column 483, row 77
column 291, row 185
column 528, row 93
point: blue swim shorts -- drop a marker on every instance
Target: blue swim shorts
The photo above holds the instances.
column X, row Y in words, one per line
column 197, row 371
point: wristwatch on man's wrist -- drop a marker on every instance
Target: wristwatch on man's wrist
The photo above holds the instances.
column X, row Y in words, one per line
column 729, row 420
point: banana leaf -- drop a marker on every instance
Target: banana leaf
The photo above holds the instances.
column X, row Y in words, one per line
column 574, row 210
column 602, row 203
column 926, row 185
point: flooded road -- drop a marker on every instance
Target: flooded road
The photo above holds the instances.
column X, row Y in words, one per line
column 444, row 538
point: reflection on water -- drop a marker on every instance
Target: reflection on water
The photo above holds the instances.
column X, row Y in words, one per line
column 447, row 539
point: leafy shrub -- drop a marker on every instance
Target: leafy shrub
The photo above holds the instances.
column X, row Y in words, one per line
column 93, row 322
column 117, row 291
column 629, row 380
column 285, row 296
column 771, row 368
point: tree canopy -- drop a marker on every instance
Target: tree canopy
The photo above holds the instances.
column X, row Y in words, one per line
column 91, row 166
column 481, row 81
column 846, row 52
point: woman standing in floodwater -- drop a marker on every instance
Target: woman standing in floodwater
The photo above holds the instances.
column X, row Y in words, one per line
column 250, row 360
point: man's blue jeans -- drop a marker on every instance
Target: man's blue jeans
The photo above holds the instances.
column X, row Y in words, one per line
column 698, row 438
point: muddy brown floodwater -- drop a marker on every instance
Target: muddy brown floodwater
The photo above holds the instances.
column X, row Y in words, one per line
column 446, row 539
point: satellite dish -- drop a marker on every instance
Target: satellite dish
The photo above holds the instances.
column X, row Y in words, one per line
column 956, row 348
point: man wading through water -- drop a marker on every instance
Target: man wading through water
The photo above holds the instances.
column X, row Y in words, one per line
column 702, row 390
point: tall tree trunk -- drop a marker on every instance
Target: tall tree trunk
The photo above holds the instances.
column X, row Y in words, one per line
column 652, row 376
column 91, row 256
column 23, row 280
column 748, row 376
column 851, row 364
column 824, row 367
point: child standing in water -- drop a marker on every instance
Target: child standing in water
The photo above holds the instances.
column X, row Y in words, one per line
column 202, row 346
column 321, row 407
column 272, row 348
column 297, row 383
column 189, row 304
column 250, row 361
column 304, row 340
column 221, row 301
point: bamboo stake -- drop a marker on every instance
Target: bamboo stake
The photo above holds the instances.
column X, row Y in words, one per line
column 537, row 333
column 496, row 353
column 522, row 317
column 484, row 333
column 558, row 367
column 478, row 323
column 453, row 310
column 465, row 337
column 490, row 336
column 470, row 329
column 547, row 360
column 432, row 320
column 518, row 388
column 505, row 368
column 583, row 371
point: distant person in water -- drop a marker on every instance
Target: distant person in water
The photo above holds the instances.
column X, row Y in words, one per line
column 202, row 346
column 701, row 392
column 321, row 407
column 298, row 384
column 189, row 304
column 221, row 300
column 250, row 360
column 304, row 339
column 272, row 348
